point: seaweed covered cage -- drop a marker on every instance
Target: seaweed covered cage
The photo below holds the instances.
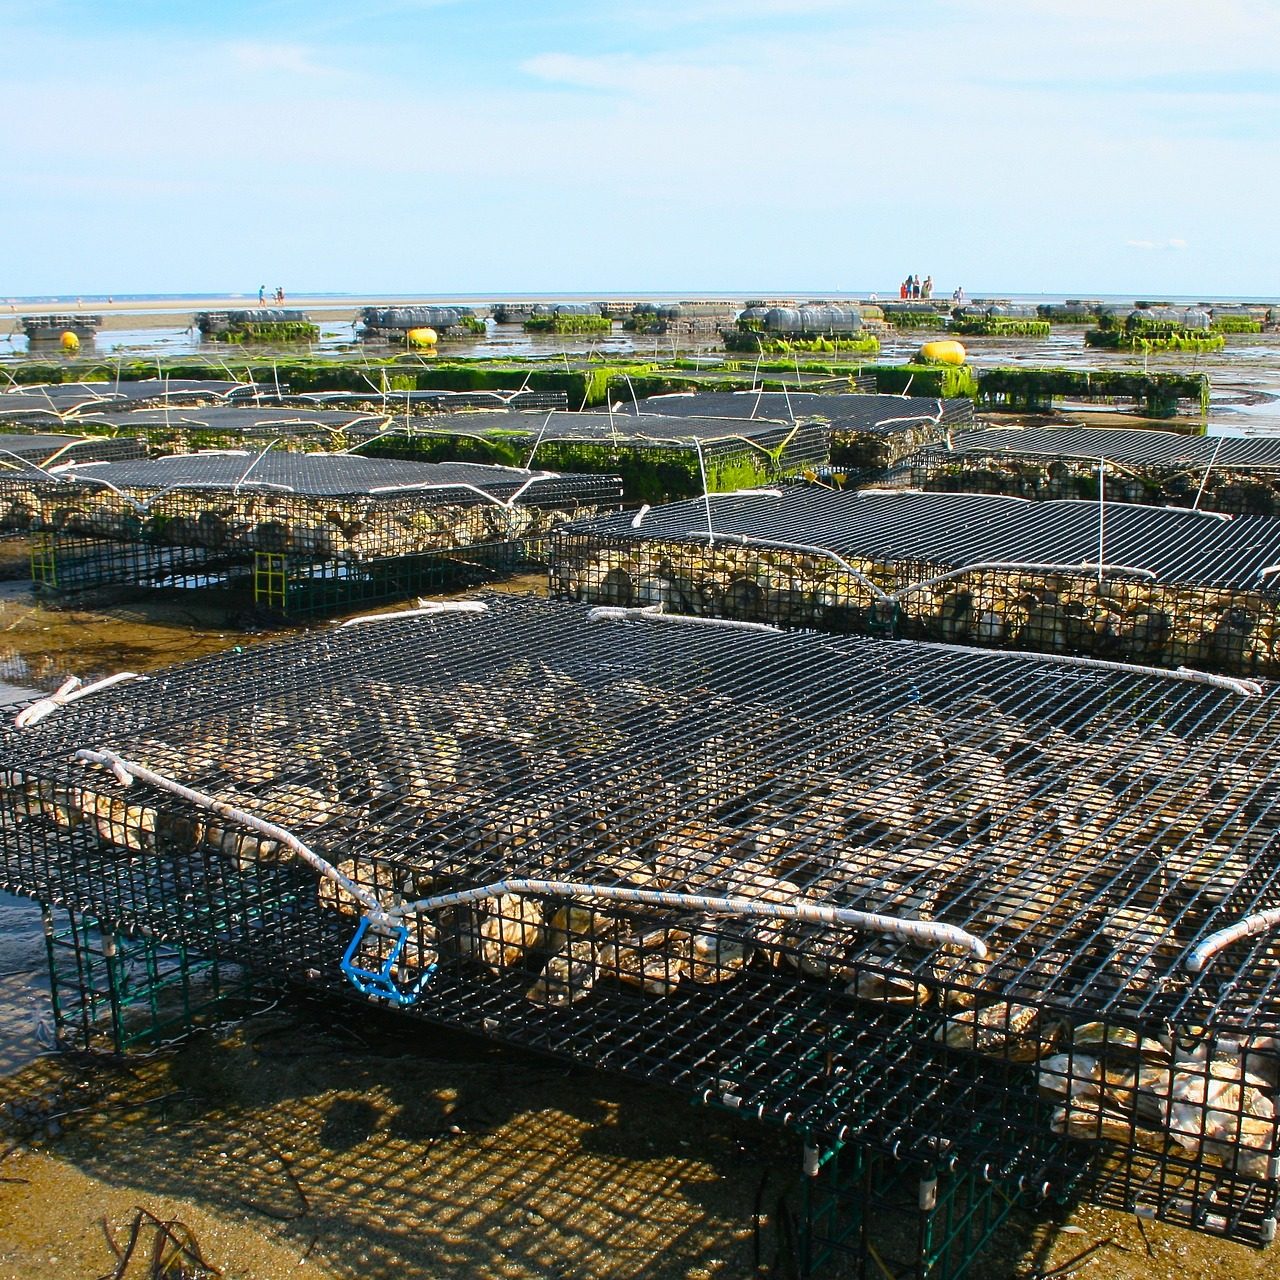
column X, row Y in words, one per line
column 963, row 907
column 50, row 450
column 1105, row 580
column 229, row 426
column 869, row 433
column 658, row 458
column 1235, row 475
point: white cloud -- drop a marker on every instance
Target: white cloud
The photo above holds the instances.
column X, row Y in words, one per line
column 287, row 59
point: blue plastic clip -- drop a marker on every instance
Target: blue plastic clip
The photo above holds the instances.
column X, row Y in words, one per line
column 378, row 982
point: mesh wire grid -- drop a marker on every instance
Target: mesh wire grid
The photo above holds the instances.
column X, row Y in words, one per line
column 49, row 450
column 1239, row 476
column 398, row 402
column 317, row 506
column 230, row 423
column 1175, row 587
column 1091, row 828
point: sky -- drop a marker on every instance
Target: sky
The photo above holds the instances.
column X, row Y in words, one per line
column 778, row 147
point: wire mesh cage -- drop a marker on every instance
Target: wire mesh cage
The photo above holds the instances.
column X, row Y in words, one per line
column 59, row 403
column 869, row 433
column 307, row 532
column 1104, row 580
column 180, row 429
column 657, row 458
column 1236, row 475
column 990, row 912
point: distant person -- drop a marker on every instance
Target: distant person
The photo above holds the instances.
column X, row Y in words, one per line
column 958, row 296
column 926, row 289
column 262, row 295
column 279, row 294
column 915, row 286
column 904, row 289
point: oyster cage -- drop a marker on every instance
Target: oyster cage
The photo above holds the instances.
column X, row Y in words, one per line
column 314, row 531
column 983, row 911
column 1104, row 580
column 1236, row 475
column 657, row 458
column 229, row 426
column 868, row 433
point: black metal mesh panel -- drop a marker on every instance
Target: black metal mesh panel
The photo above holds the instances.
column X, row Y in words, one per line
column 322, row 506
column 1176, row 587
column 1090, row 828
column 227, row 424
column 48, row 450
column 1236, row 475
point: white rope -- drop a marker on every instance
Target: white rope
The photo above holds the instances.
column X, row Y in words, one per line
column 927, row 932
column 1026, row 566
column 1232, row 684
column 656, row 613
column 1248, row 927
column 128, row 771
column 71, row 690
column 438, row 606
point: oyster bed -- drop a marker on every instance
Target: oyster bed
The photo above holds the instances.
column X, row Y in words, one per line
column 1091, row 829
column 1217, row 610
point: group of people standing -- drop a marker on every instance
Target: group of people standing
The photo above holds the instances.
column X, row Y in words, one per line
column 914, row 287
column 277, row 297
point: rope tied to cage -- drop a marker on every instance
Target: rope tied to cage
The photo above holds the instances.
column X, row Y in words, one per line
column 1247, row 927
column 926, row 932
column 71, row 690
column 424, row 609
column 656, row 613
column 127, row 772
column 1230, row 684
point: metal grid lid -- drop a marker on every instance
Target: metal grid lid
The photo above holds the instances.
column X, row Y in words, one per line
column 230, row 419
column 1127, row 447
column 332, row 475
column 957, row 529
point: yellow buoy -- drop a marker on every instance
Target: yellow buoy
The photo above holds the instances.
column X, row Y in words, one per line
column 70, row 342
column 421, row 337
column 943, row 351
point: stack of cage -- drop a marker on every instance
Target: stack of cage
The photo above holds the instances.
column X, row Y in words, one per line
column 658, row 458
column 317, row 531
column 1107, row 580
column 231, row 425
column 395, row 323
column 1237, row 475
column 869, row 433
column 49, row 328
column 981, row 912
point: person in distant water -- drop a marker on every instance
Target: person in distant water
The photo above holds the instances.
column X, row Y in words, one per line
column 958, row 296
column 926, row 289
column 262, row 295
